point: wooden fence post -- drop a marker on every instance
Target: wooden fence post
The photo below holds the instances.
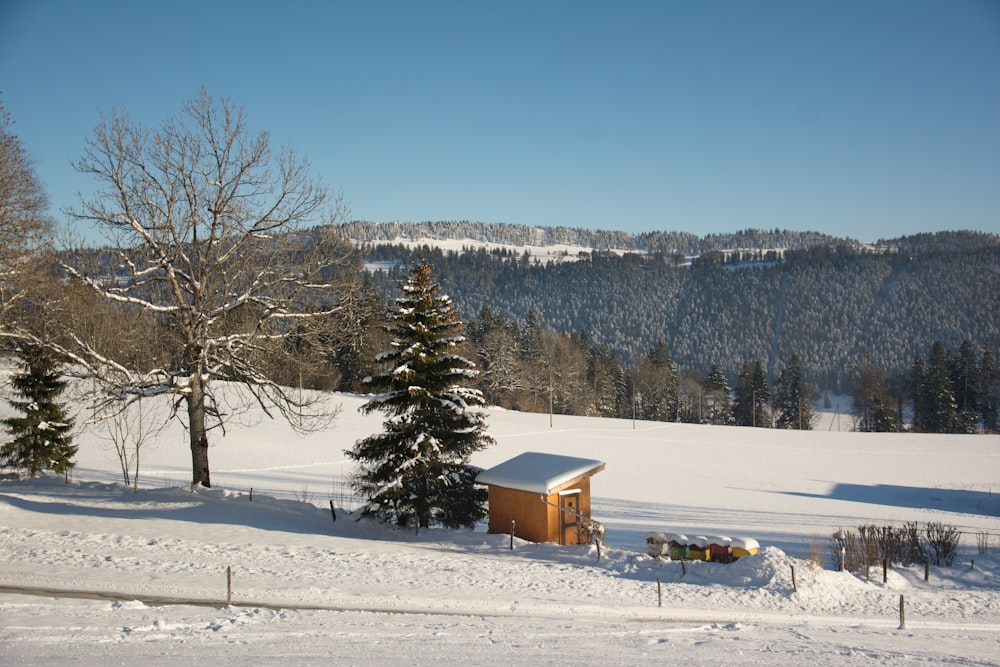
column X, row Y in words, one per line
column 795, row 588
column 902, row 613
column 333, row 511
column 229, row 585
column 659, row 593
column 513, row 522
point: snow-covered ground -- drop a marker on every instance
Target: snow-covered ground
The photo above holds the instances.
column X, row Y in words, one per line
column 94, row 573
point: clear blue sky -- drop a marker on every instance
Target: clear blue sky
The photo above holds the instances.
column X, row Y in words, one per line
column 861, row 118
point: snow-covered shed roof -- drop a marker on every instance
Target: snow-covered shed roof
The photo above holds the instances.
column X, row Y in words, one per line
column 539, row 473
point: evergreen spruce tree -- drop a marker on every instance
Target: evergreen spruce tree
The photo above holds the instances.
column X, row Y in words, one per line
column 658, row 385
column 535, row 367
column 531, row 338
column 752, row 396
column 792, row 400
column 873, row 402
column 604, row 372
column 742, row 403
column 41, row 438
column 965, row 382
column 987, row 395
column 918, row 385
column 786, row 390
column 717, row 390
column 417, row 471
column 762, row 395
column 942, row 416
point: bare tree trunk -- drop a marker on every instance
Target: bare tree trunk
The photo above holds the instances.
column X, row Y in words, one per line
column 199, row 438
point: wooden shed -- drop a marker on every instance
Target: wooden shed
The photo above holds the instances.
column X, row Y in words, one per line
column 546, row 496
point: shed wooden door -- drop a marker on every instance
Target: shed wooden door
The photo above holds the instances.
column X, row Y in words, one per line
column 569, row 518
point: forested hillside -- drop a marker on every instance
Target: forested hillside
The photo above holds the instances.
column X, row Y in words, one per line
column 832, row 303
column 751, row 329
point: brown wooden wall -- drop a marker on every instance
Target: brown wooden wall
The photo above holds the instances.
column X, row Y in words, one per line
column 529, row 512
column 535, row 521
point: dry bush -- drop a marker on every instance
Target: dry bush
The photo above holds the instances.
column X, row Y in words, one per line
column 870, row 545
column 942, row 543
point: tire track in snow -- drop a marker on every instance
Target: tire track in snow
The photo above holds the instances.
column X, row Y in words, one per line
column 519, row 611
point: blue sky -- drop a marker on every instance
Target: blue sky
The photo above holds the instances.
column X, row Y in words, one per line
column 860, row 118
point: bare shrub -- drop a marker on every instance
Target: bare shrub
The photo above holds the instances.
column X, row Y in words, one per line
column 869, row 546
column 304, row 496
column 937, row 544
column 859, row 550
column 912, row 546
column 983, row 542
column 942, row 543
column 814, row 554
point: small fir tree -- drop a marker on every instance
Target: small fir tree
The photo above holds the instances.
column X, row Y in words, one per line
column 41, row 438
column 417, row 470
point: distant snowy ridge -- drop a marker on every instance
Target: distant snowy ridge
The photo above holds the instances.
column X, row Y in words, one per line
column 580, row 239
column 560, row 244
column 538, row 254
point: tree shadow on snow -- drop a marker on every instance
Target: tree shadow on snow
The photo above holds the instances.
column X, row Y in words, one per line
column 965, row 501
column 174, row 504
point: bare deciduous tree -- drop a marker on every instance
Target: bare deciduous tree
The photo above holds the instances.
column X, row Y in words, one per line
column 212, row 231
column 130, row 428
column 499, row 356
column 24, row 220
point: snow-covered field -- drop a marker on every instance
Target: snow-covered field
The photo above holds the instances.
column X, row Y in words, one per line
column 540, row 254
column 94, row 573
